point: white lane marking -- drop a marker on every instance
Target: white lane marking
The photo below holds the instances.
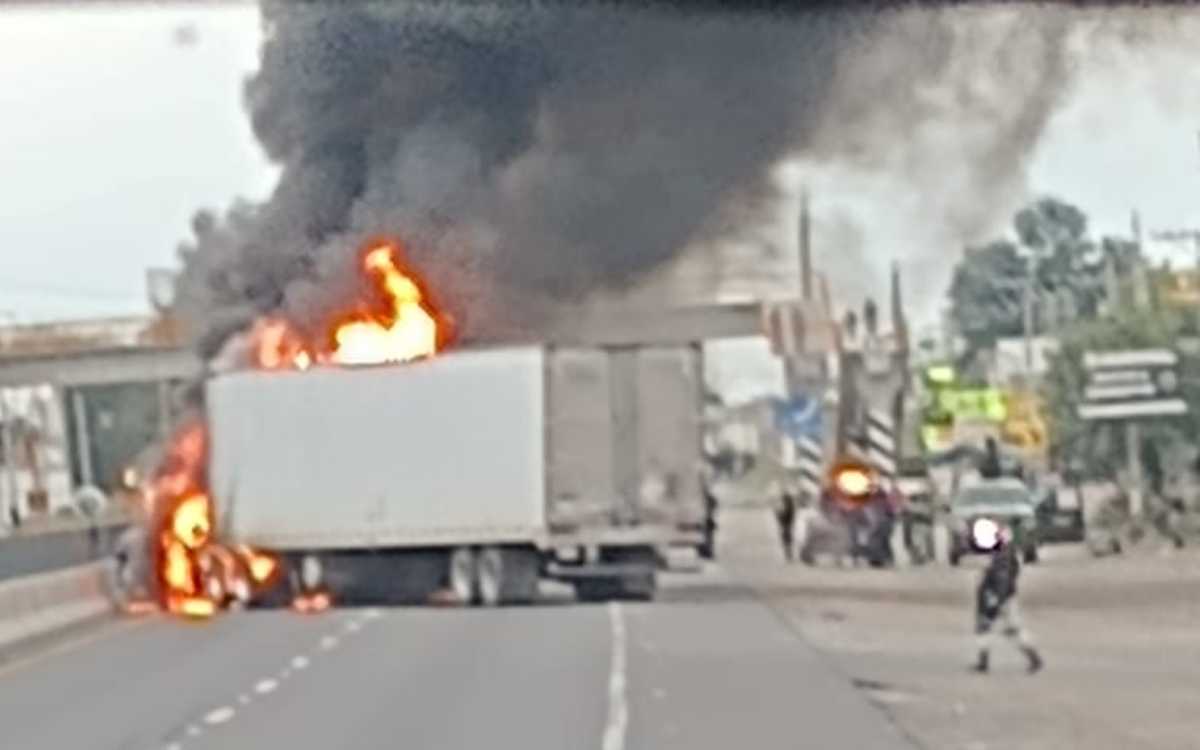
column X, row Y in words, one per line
column 299, row 663
column 353, row 627
column 328, row 642
column 219, row 715
column 244, row 699
column 174, row 746
column 618, row 709
column 193, row 731
column 373, row 614
column 266, row 686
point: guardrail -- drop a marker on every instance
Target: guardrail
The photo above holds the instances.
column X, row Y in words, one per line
column 39, row 605
column 42, row 546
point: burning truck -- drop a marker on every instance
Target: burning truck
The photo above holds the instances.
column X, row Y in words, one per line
column 378, row 465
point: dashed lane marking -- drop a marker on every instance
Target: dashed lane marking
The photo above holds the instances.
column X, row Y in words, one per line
column 300, row 662
column 266, row 686
column 618, row 708
column 219, row 715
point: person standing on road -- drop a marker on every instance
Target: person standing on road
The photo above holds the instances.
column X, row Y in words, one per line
column 996, row 604
column 785, row 514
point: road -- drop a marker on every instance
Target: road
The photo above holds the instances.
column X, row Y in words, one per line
column 706, row 666
column 1119, row 635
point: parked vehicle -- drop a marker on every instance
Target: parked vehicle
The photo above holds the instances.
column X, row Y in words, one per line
column 1006, row 501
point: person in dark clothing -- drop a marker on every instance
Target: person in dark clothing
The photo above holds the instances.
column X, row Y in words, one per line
column 996, row 604
column 708, row 549
column 785, row 514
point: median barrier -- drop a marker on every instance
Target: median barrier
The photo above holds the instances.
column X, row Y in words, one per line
column 40, row 605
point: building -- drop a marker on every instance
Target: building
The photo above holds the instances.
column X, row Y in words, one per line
column 79, row 400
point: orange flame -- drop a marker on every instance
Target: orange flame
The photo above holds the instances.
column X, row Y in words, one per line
column 183, row 525
column 399, row 325
column 407, row 331
column 278, row 346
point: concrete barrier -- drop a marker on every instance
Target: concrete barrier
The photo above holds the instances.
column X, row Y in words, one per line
column 39, row 605
column 39, row 549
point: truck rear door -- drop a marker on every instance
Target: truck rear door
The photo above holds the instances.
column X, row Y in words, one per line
column 623, row 436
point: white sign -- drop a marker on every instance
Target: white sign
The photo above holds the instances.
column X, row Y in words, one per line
column 1131, row 358
column 1128, row 409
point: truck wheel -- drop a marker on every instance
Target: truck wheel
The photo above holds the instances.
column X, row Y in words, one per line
column 507, row 575
column 311, row 572
column 464, row 575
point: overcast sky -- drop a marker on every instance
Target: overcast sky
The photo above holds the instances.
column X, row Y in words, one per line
column 116, row 124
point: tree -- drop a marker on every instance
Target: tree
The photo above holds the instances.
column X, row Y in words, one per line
column 988, row 287
column 985, row 293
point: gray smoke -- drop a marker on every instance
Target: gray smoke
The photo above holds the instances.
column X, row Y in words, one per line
column 530, row 154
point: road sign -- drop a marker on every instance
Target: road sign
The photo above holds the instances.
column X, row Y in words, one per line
column 799, row 417
column 1130, row 384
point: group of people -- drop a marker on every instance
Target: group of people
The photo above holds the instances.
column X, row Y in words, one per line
column 996, row 608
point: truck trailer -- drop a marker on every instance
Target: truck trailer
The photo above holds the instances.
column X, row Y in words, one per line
column 480, row 471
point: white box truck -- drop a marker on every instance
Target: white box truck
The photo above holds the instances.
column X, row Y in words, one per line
column 478, row 470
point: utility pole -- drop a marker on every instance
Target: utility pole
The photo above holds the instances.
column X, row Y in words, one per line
column 805, row 237
column 1133, row 454
column 1028, row 314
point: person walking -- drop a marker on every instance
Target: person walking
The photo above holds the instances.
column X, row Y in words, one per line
column 996, row 603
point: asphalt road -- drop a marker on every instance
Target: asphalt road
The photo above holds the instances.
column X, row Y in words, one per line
column 706, row 666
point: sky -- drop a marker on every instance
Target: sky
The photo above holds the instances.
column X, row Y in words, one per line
column 118, row 123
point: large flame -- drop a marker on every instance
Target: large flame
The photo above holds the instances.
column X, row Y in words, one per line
column 405, row 332
column 398, row 324
column 183, row 523
column 183, row 535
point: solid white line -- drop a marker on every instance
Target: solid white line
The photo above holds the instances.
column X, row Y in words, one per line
column 618, row 709
column 219, row 715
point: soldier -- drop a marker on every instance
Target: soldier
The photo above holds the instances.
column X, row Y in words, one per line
column 996, row 598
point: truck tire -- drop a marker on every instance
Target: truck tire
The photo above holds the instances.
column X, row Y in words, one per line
column 507, row 575
column 464, row 575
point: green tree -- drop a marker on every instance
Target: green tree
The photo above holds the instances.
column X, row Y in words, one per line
column 988, row 287
column 985, row 293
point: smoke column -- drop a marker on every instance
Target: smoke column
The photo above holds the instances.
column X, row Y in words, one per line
column 531, row 154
